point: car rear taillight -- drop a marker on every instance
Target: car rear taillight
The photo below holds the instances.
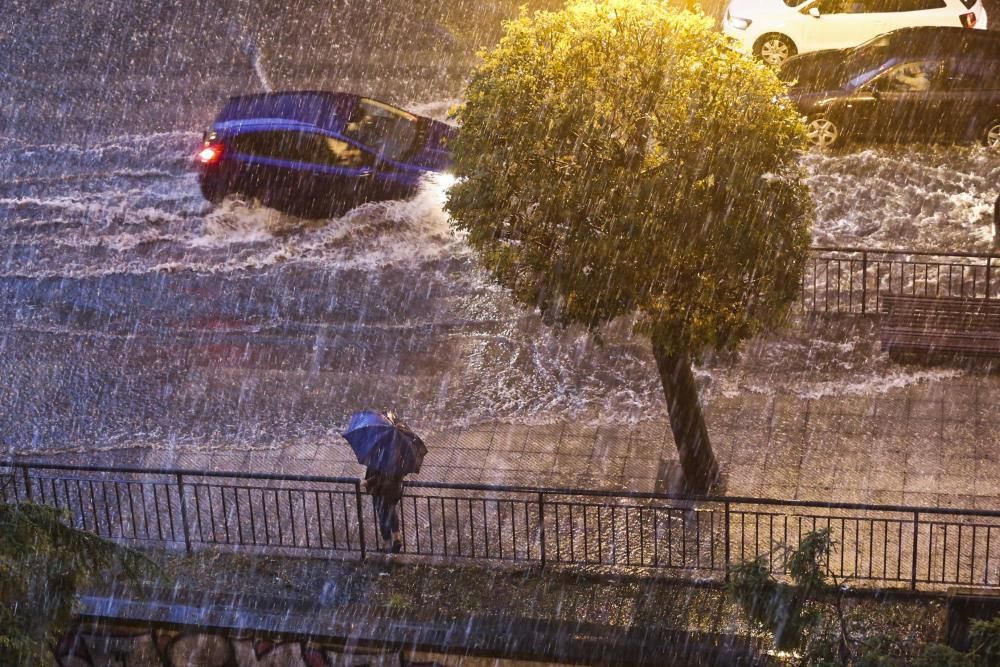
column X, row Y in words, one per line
column 210, row 154
column 968, row 20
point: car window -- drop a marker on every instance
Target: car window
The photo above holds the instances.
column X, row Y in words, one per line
column 869, row 55
column 912, row 77
column 842, row 6
column 972, row 74
column 282, row 145
column 340, row 153
column 870, row 72
column 301, row 147
column 389, row 132
column 907, row 5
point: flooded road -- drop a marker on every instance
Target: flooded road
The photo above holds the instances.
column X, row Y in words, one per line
column 136, row 316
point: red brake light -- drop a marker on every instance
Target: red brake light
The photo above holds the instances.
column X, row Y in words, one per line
column 968, row 20
column 210, row 154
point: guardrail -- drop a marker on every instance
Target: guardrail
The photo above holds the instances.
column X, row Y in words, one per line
column 852, row 280
column 701, row 538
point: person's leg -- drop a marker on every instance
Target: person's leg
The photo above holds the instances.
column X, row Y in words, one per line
column 384, row 515
column 393, row 524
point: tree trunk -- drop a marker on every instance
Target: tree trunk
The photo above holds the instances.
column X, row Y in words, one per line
column 686, row 420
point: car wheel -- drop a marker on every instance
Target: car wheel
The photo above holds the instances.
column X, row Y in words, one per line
column 991, row 134
column 822, row 133
column 774, row 49
column 214, row 187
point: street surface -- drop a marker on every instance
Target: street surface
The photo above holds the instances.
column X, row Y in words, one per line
column 139, row 324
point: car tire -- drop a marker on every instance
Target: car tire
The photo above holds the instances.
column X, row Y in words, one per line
column 774, row 48
column 215, row 187
column 822, row 133
column 991, row 134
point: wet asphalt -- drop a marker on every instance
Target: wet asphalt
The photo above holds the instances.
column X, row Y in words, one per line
column 140, row 325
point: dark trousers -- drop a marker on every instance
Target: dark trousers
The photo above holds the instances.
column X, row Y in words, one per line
column 387, row 513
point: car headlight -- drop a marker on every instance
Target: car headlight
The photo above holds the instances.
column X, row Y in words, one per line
column 737, row 22
column 441, row 181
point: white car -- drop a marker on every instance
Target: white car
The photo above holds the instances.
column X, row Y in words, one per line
column 774, row 30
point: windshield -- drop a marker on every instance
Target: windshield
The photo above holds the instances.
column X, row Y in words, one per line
column 869, row 73
column 867, row 54
column 389, row 132
column 863, row 58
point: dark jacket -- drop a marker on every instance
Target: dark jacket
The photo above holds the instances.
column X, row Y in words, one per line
column 378, row 484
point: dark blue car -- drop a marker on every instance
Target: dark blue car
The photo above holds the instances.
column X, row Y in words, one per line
column 316, row 153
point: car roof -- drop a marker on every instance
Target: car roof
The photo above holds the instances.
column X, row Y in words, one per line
column 943, row 40
column 316, row 109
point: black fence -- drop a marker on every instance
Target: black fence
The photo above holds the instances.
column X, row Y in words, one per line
column 852, row 280
column 876, row 546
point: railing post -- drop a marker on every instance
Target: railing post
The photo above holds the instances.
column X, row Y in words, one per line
column 864, row 282
column 913, row 564
column 541, row 526
column 361, row 520
column 727, row 540
column 27, row 482
column 988, row 267
column 184, row 518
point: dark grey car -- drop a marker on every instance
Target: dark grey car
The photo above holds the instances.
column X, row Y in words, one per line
column 921, row 84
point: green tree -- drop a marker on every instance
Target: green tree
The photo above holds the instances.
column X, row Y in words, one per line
column 616, row 159
column 43, row 563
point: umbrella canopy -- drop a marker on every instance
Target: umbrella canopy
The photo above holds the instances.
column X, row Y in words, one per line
column 384, row 444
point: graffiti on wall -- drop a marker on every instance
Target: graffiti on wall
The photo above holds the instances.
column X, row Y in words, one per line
column 124, row 646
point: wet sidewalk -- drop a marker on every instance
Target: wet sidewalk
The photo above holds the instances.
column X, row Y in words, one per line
column 933, row 443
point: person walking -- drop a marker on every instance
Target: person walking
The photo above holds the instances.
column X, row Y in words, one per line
column 386, row 492
column 389, row 450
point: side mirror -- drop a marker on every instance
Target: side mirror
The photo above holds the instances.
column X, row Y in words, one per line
column 814, row 12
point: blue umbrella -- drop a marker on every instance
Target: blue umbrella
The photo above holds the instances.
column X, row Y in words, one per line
column 384, row 444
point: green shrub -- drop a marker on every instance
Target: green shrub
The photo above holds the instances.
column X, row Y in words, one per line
column 43, row 563
column 985, row 636
column 939, row 655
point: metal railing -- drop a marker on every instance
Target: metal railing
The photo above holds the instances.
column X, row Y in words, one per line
column 852, row 280
column 876, row 545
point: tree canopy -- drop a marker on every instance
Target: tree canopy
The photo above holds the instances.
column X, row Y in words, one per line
column 616, row 158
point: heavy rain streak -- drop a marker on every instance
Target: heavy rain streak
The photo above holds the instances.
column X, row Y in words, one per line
column 138, row 318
